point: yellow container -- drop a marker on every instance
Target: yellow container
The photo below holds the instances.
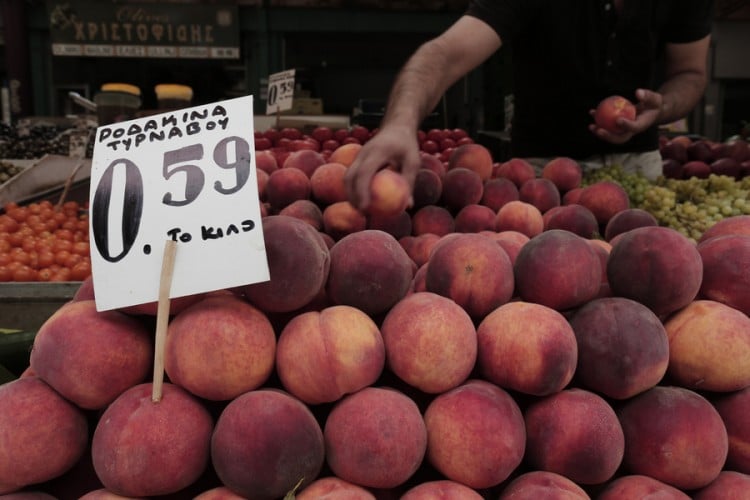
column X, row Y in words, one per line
column 173, row 96
column 117, row 102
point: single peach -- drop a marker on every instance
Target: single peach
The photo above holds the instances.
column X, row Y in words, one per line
column 640, row 486
column 564, row 172
column 306, row 160
column 605, row 199
column 91, row 357
column 389, row 193
column 533, row 357
column 428, row 188
column 574, row 433
column 519, row 216
column 305, row 210
column 298, row 264
column 333, row 488
column 574, row 218
column 475, row 434
column 726, row 270
column 474, row 218
column 623, row 348
column 517, row 170
column 628, row 219
column 433, row 219
column 342, row 218
column 543, row 484
column 497, row 192
column 398, row 225
column 540, row 192
column 430, row 342
column 375, row 438
column 286, row 185
column 656, row 266
column 265, row 443
column 612, row 109
column 474, row 157
column 461, row 187
column 709, row 348
column 220, row 348
column 674, row 435
column 345, row 154
column 130, row 439
column 472, row 270
column 729, row 484
column 327, row 183
column 325, row 355
column 369, row 270
column 558, row 269
column 733, row 408
column 441, row 489
column 42, row 434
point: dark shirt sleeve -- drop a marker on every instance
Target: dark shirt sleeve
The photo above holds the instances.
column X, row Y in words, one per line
column 690, row 21
column 506, row 17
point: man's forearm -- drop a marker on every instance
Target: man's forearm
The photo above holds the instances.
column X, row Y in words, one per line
column 418, row 87
column 681, row 94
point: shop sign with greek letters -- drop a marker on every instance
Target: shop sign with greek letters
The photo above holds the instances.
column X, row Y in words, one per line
column 188, row 176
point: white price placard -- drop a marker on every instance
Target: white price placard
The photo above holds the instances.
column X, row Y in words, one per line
column 280, row 91
column 189, row 176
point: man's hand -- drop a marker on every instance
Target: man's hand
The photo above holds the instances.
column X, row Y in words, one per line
column 391, row 145
column 648, row 109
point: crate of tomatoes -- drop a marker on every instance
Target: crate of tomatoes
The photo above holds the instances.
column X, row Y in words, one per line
column 44, row 242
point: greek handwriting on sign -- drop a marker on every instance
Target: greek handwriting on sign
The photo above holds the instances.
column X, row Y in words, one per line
column 128, row 136
column 211, row 232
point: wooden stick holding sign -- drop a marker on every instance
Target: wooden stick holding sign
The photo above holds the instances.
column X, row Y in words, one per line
column 68, row 184
column 162, row 317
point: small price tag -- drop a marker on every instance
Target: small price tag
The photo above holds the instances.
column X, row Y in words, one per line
column 280, row 91
column 187, row 176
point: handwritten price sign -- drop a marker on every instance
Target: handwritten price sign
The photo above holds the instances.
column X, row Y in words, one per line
column 280, row 91
column 187, row 176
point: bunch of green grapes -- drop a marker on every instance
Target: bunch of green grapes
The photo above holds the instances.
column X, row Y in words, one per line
column 689, row 206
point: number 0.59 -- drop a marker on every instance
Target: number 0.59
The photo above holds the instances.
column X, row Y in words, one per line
column 231, row 153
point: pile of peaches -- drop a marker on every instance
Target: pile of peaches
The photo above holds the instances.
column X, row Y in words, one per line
column 686, row 157
column 505, row 333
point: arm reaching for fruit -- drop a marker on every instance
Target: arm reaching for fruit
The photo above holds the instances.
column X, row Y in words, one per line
column 420, row 84
column 685, row 82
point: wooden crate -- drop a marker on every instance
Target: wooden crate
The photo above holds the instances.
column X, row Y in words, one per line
column 25, row 306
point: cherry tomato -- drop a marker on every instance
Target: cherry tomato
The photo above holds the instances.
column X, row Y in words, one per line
column 46, row 258
column 24, row 273
column 44, row 274
column 18, row 214
column 59, row 245
column 80, row 271
column 8, row 224
column 61, row 275
column 19, row 255
column 81, row 248
column 72, row 260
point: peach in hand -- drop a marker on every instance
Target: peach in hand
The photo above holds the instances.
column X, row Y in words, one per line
column 610, row 109
column 389, row 193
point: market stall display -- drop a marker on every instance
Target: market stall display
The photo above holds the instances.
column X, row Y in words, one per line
column 484, row 342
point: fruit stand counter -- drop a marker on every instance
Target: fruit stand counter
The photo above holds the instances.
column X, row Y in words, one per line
column 23, row 309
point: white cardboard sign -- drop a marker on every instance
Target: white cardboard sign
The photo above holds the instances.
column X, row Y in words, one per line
column 280, row 91
column 189, row 176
